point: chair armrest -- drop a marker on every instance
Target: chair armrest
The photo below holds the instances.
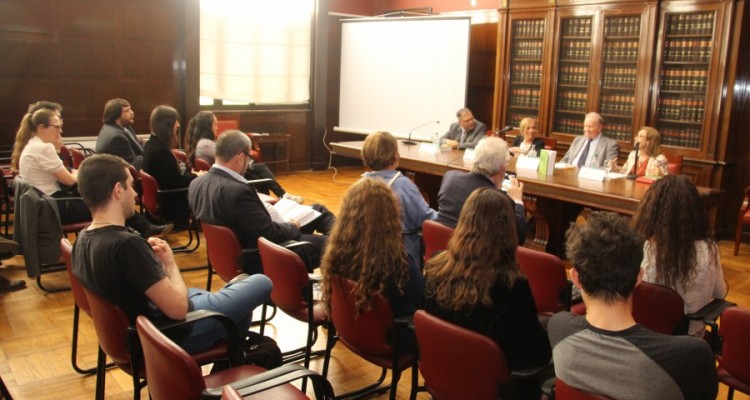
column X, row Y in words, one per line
column 710, row 312
column 172, row 191
column 254, row 182
column 273, row 378
column 233, row 336
column 534, row 372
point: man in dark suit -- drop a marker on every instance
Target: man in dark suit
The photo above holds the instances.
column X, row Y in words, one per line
column 466, row 133
column 488, row 171
column 223, row 197
column 592, row 149
column 117, row 136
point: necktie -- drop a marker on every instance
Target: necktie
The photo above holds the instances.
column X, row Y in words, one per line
column 584, row 154
column 463, row 136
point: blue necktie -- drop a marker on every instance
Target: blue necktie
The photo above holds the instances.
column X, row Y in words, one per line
column 585, row 154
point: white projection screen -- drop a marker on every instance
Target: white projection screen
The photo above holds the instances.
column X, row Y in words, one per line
column 398, row 74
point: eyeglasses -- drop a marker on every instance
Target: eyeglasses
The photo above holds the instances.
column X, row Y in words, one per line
column 58, row 127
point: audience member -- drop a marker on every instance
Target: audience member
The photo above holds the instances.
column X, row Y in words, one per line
column 592, row 149
column 650, row 161
column 487, row 171
column 477, row 284
column 366, row 247
column 679, row 251
column 606, row 351
column 466, row 133
column 117, row 136
column 200, row 141
column 527, row 142
column 142, row 276
column 223, row 197
column 159, row 162
column 380, row 156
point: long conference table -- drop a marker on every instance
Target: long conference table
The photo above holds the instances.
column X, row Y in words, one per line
column 552, row 201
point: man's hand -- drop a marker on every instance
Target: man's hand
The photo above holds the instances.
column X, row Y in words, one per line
column 515, row 191
column 452, row 143
column 163, row 252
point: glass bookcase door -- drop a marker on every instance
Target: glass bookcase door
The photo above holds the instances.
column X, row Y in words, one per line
column 574, row 64
column 684, row 77
column 526, row 62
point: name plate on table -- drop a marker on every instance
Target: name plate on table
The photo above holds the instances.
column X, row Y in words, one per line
column 469, row 154
column 592, row 174
column 527, row 163
column 428, row 148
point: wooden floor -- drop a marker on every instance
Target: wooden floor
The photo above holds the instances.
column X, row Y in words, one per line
column 35, row 327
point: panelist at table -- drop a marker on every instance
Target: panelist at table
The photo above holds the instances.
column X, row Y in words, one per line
column 466, row 133
column 592, row 149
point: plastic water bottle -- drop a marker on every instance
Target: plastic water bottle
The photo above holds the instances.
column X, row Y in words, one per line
column 436, row 139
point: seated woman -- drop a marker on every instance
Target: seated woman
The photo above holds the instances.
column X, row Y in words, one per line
column 159, row 162
column 650, row 161
column 527, row 140
column 366, row 247
column 380, row 156
column 36, row 158
column 200, row 141
column 679, row 251
column 477, row 284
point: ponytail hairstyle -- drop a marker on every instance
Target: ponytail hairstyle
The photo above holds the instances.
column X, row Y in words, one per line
column 26, row 130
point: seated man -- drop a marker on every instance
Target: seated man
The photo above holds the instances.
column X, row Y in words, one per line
column 223, row 197
column 117, row 136
column 606, row 351
column 141, row 276
column 592, row 149
column 466, row 133
column 488, row 171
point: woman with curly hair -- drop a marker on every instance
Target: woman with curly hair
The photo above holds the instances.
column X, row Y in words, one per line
column 200, row 141
column 477, row 284
column 679, row 251
column 365, row 246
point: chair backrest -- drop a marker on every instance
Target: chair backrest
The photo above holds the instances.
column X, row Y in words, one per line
column 674, row 164
column 76, row 157
column 288, row 274
column 65, row 156
column 550, row 143
column 225, row 125
column 180, row 155
column 547, row 278
column 365, row 332
column 171, row 372
column 111, row 325
column 79, row 295
column 458, row 363
column 565, row 392
column 735, row 324
column 659, row 308
column 224, row 250
column 201, row 164
column 435, row 236
column 150, row 196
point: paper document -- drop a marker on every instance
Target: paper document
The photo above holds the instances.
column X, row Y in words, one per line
column 289, row 209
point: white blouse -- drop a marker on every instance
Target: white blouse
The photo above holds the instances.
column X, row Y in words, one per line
column 38, row 163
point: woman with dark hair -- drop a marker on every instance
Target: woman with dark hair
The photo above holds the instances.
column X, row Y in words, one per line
column 527, row 140
column 679, row 251
column 200, row 141
column 366, row 246
column 477, row 284
column 159, row 162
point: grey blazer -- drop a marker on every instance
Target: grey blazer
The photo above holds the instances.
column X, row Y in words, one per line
column 472, row 137
column 36, row 227
column 121, row 142
column 606, row 150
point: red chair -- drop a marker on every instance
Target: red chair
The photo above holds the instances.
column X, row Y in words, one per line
column 180, row 155
column 457, row 363
column 293, row 293
column 565, row 392
column 76, row 157
column 550, row 143
column 201, row 164
column 368, row 335
column 151, row 200
column 674, row 164
column 65, row 157
column 548, row 280
column 225, row 125
column 734, row 358
column 743, row 218
column 435, row 236
column 173, row 374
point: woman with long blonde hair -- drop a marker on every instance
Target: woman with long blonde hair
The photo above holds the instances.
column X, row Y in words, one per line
column 477, row 284
column 365, row 246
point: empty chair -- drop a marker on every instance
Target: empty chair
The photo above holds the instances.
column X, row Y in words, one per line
column 734, row 358
column 674, row 163
column 174, row 374
column 548, row 280
column 435, row 236
column 743, row 218
column 370, row 335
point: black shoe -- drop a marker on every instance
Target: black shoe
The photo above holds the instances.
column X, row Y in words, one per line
column 158, row 230
column 8, row 248
column 7, row 285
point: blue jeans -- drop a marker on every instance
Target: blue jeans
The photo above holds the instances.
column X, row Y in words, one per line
column 236, row 300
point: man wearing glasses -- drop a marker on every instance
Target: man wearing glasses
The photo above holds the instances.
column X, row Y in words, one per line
column 466, row 133
column 223, row 197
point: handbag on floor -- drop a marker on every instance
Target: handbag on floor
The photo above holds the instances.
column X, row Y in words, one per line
column 261, row 351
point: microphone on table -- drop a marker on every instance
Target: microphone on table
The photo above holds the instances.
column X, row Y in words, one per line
column 635, row 162
column 411, row 142
column 506, row 129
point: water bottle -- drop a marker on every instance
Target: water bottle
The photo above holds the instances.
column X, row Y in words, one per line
column 436, row 140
